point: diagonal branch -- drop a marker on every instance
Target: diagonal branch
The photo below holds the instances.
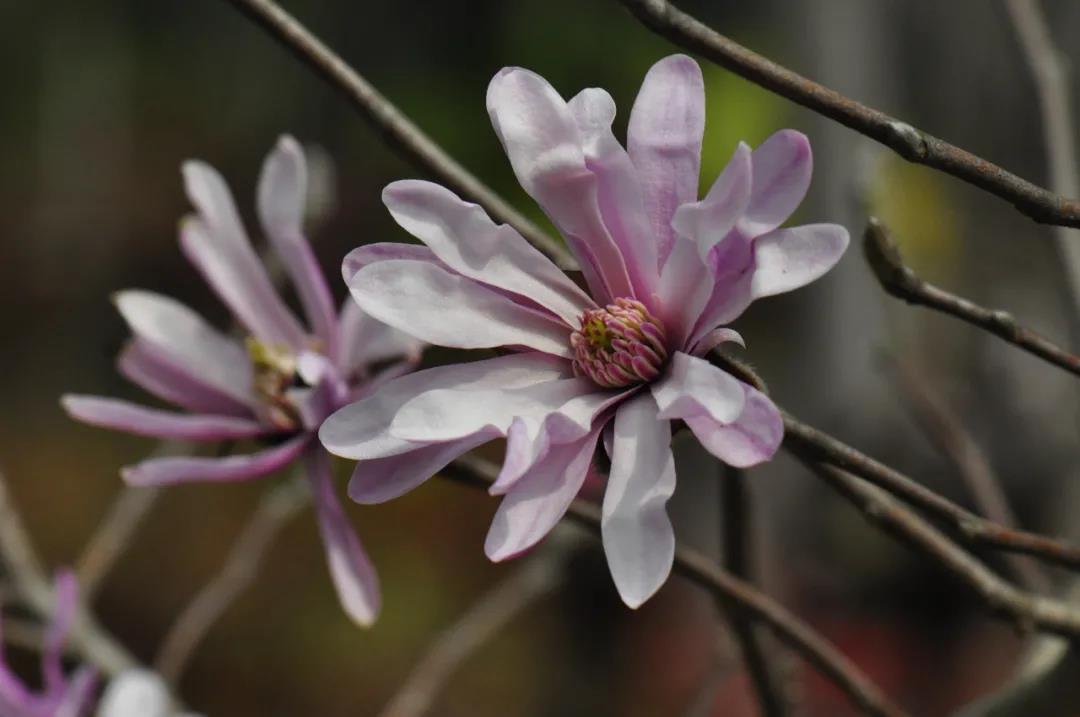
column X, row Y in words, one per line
column 898, row 279
column 400, row 132
column 736, row 593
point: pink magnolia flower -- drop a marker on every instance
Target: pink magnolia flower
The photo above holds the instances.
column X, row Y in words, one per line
column 613, row 365
column 275, row 386
column 60, row 695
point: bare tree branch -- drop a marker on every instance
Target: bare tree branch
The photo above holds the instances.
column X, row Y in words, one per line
column 738, row 594
column 899, row 280
column 909, row 142
column 400, row 132
column 240, row 569
column 112, row 538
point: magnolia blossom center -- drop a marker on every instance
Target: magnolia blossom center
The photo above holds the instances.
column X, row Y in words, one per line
column 619, row 345
column 274, row 370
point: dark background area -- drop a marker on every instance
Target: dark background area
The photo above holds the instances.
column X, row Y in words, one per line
column 102, row 101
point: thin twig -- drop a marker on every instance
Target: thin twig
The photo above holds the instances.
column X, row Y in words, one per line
column 898, row 279
column 909, row 142
column 737, row 593
column 400, row 132
column 113, row 536
column 539, row 575
column 737, row 524
column 240, row 569
column 952, row 439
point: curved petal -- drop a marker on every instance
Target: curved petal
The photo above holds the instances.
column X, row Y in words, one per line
column 143, row 421
column 182, row 469
column 622, row 204
column 382, row 479
column 361, row 430
column 368, row 254
column 693, row 386
column 217, row 245
column 352, row 572
column 532, row 507
column 788, row 259
column 638, row 538
column 366, row 341
column 752, row 438
column 154, row 371
column 544, row 145
column 190, row 343
column 282, row 193
column 707, row 222
column 686, row 285
column 714, row 338
column 463, row 237
column 664, row 137
column 447, row 309
column 782, row 168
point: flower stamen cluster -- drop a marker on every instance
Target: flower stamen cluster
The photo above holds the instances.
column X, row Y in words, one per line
column 274, row 371
column 619, row 345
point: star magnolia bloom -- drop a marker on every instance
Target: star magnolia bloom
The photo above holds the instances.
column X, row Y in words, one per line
column 613, row 365
column 276, row 386
column 61, row 695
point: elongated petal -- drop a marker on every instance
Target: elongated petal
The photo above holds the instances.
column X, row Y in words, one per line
column 447, row 309
column 707, row 222
column 366, row 341
column 539, row 500
column 151, row 370
column 752, row 438
column 217, row 245
column 368, row 254
column 782, row 168
column 463, row 237
column 361, row 430
column 382, row 479
column 352, row 572
column 544, row 145
column 664, row 136
column 788, row 259
column 189, row 343
column 686, row 285
column 714, row 338
column 143, row 421
column 621, row 201
column 693, row 386
column 166, row 471
column 282, row 193
column 637, row 535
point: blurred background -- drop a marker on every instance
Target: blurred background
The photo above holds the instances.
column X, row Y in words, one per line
column 101, row 103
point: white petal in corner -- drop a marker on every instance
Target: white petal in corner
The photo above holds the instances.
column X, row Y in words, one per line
column 446, row 309
column 664, row 136
column 466, row 240
column 783, row 164
column 282, row 193
column 183, row 469
column 143, row 421
column 707, row 222
column 638, row 538
column 752, row 438
column 361, row 430
column 188, row 341
column 536, row 502
column 136, row 693
column 693, row 386
column 352, row 572
column 788, row 259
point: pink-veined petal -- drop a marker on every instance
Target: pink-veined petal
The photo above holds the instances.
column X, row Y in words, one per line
column 782, row 164
column 544, row 145
column 151, row 369
column 282, row 193
column 664, row 137
column 708, row 221
column 638, row 538
column 183, row 469
column 693, row 386
column 464, row 238
column 189, row 342
column 447, row 309
column 536, row 502
column 752, row 438
column 350, row 568
column 715, row 338
column 788, row 259
column 143, row 421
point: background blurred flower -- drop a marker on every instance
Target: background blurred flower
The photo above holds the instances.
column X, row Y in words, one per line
column 278, row 384
column 664, row 272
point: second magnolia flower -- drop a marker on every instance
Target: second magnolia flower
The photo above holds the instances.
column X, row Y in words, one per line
column 610, row 367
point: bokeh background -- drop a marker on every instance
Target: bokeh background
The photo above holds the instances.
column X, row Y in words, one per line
column 102, row 101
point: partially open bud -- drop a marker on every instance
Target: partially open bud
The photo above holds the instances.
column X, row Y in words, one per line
column 619, row 345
